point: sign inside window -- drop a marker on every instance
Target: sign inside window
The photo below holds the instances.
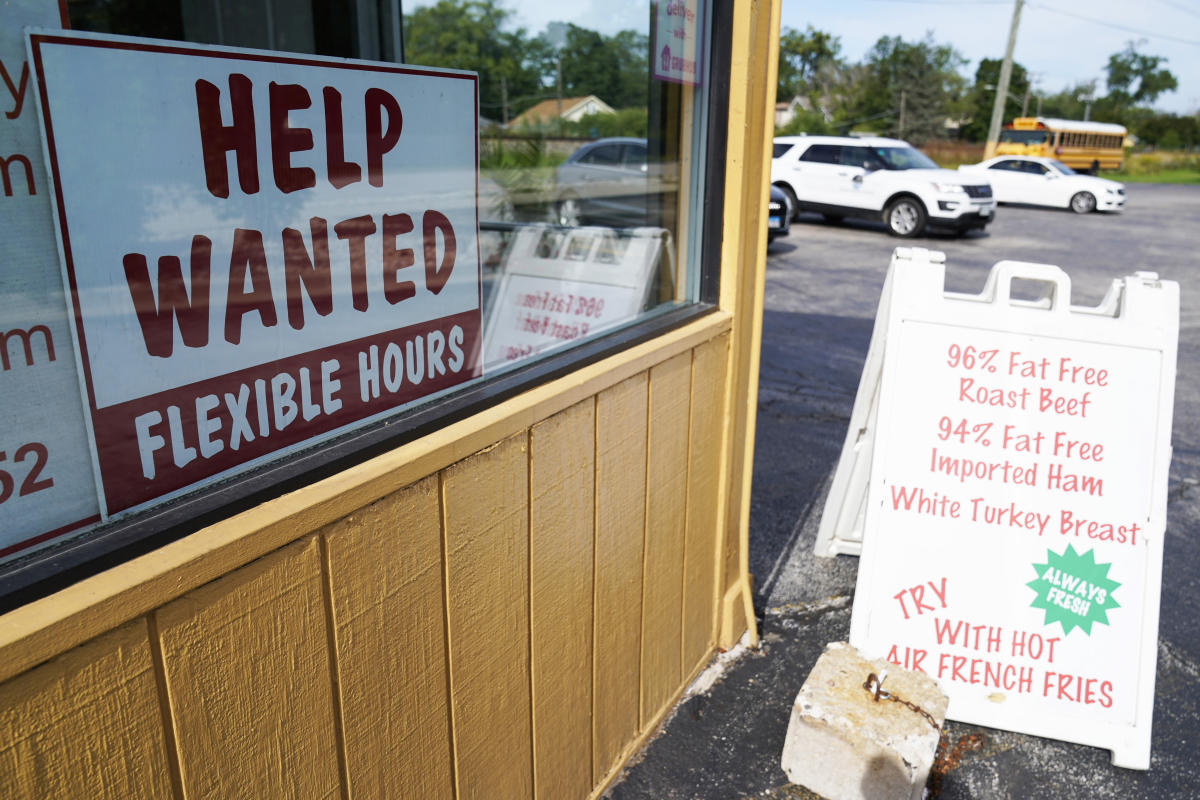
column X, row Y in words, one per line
column 677, row 52
column 261, row 250
column 560, row 286
column 46, row 485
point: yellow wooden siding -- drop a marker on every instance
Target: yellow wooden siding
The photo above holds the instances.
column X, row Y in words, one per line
column 511, row 626
column 385, row 575
column 620, row 535
column 86, row 724
column 486, row 510
column 248, row 679
column 666, row 498
column 754, row 33
column 704, row 479
column 562, row 510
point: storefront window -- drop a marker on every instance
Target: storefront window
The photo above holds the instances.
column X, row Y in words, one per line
column 272, row 261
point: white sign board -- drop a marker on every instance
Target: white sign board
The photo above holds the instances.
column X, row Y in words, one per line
column 261, row 249
column 1016, row 504
column 561, row 285
column 46, row 485
column 678, row 50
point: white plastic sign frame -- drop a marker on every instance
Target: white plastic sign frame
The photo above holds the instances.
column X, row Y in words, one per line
column 559, row 285
column 1014, row 516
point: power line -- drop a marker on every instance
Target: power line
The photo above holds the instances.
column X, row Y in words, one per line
column 1116, row 25
column 1181, row 7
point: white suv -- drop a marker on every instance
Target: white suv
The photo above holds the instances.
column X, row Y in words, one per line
column 843, row 176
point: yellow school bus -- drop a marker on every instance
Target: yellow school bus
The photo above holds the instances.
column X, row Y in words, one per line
column 1089, row 146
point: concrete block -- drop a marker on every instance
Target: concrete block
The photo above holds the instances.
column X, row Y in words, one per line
column 853, row 739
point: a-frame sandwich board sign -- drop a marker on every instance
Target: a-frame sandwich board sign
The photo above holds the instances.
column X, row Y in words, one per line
column 1014, row 505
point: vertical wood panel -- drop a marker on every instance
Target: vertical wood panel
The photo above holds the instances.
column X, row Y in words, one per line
column 385, row 568
column 562, row 519
column 485, row 503
column 666, row 497
column 247, row 669
column 620, row 534
column 86, row 724
column 700, row 552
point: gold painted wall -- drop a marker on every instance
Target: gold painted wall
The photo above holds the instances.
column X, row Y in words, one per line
column 505, row 608
column 506, row 627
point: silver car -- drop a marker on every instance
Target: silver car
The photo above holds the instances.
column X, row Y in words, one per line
column 609, row 182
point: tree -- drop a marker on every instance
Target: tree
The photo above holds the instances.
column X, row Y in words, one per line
column 615, row 69
column 807, row 121
column 1170, row 131
column 807, row 62
column 633, row 50
column 1135, row 79
column 1066, row 103
column 983, row 95
column 910, row 89
column 624, row 122
column 467, row 34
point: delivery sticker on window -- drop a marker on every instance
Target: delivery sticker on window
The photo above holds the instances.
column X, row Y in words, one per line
column 678, row 49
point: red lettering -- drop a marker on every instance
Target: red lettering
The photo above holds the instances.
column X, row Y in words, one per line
column 354, row 232
column 395, row 260
column 341, row 172
column 17, row 90
column 217, row 139
column 435, row 275
column 5, row 163
column 313, row 274
column 173, row 303
column 25, row 338
column 286, row 140
column 248, row 253
column 379, row 139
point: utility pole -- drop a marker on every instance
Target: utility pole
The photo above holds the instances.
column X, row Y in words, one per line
column 504, row 100
column 1002, row 86
column 900, row 134
column 556, row 35
column 558, row 83
column 1087, row 98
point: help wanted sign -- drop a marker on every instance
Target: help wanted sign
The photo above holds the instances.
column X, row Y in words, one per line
column 260, row 249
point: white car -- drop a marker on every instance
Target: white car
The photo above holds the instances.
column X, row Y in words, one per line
column 878, row 178
column 1035, row 180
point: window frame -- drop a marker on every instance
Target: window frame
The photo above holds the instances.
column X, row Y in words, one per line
column 57, row 566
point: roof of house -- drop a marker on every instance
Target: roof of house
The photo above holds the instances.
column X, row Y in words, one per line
column 547, row 110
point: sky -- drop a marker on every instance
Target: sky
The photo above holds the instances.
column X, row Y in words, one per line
column 1060, row 42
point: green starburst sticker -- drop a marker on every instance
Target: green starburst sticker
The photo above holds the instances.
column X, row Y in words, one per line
column 1073, row 590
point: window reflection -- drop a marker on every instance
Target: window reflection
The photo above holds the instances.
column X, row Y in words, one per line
column 579, row 149
column 558, row 285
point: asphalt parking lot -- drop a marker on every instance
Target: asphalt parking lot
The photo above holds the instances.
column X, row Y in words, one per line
column 822, row 287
